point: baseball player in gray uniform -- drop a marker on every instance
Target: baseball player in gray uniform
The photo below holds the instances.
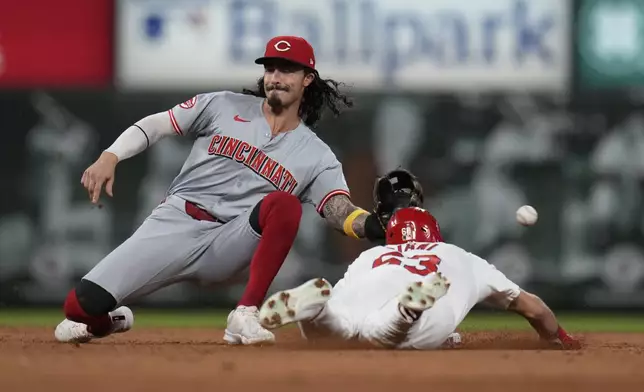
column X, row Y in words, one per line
column 235, row 205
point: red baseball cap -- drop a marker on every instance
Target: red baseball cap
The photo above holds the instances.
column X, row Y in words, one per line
column 291, row 48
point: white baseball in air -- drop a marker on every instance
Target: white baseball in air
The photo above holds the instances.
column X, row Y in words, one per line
column 527, row 215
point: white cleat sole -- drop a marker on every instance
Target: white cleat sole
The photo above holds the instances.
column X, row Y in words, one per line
column 298, row 304
column 422, row 295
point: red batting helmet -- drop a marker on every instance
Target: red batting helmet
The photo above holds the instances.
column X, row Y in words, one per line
column 412, row 224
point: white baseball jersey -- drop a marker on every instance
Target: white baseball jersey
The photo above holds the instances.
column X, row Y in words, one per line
column 364, row 301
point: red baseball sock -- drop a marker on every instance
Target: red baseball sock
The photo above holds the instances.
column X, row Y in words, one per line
column 279, row 219
column 97, row 325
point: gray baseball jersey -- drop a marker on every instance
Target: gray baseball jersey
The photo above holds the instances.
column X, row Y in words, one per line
column 233, row 164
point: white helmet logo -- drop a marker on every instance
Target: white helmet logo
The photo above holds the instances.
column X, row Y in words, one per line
column 409, row 232
column 282, row 46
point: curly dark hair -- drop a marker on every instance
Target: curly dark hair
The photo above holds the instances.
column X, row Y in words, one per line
column 319, row 94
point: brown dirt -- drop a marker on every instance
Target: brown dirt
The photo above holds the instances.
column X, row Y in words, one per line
column 194, row 360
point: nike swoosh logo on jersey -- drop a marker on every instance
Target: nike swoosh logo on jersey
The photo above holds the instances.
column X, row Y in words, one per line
column 239, row 119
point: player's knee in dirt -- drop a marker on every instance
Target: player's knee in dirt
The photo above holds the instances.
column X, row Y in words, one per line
column 277, row 207
column 94, row 299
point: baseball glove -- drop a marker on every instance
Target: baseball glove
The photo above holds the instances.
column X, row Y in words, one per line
column 397, row 189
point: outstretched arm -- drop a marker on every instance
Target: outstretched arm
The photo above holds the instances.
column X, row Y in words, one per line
column 132, row 141
column 542, row 319
column 141, row 135
column 353, row 221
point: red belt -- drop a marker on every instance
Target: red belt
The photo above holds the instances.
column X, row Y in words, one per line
column 199, row 213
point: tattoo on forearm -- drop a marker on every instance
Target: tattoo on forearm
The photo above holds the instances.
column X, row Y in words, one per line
column 337, row 209
column 358, row 225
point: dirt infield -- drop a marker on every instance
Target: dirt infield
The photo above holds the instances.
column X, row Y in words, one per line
column 194, row 360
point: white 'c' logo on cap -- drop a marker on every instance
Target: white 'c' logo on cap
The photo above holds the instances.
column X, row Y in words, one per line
column 282, row 46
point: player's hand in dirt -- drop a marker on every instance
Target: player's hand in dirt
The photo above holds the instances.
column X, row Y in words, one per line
column 566, row 341
column 98, row 174
column 569, row 342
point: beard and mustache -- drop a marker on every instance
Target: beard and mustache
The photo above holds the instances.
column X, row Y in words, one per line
column 273, row 100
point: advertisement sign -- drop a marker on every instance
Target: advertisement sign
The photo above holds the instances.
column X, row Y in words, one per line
column 63, row 43
column 370, row 44
column 611, row 43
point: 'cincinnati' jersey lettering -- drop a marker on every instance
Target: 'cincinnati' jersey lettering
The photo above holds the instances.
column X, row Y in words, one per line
column 231, row 136
column 255, row 159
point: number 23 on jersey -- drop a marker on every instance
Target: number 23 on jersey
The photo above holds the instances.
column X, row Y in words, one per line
column 420, row 264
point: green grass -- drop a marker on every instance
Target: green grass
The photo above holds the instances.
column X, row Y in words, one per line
column 217, row 319
column 573, row 322
column 144, row 318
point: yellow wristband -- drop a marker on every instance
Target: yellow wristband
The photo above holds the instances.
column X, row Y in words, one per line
column 348, row 223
